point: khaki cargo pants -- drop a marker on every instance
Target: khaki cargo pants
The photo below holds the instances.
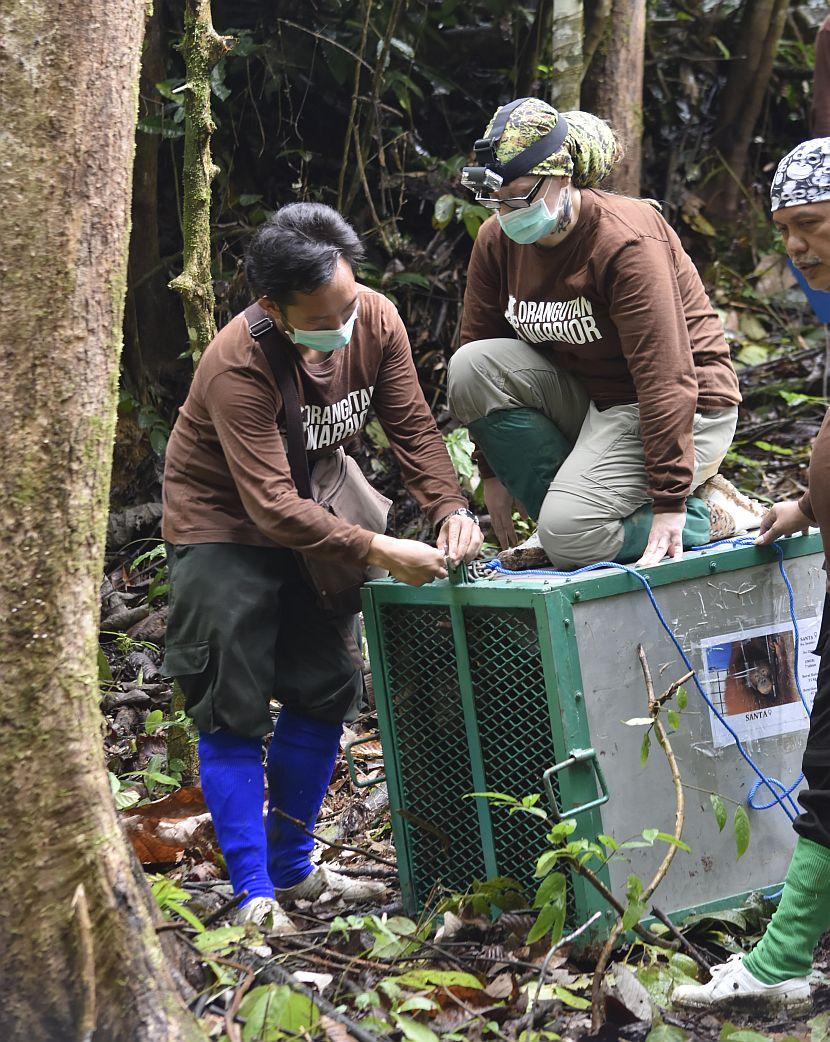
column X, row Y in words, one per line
column 603, row 480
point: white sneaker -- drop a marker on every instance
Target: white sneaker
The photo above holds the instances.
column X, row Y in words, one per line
column 528, row 554
column 267, row 913
column 323, row 883
column 732, row 511
column 733, row 987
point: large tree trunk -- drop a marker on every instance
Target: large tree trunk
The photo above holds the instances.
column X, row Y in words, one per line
column 743, row 96
column 80, row 958
column 613, row 86
column 567, row 36
column 153, row 328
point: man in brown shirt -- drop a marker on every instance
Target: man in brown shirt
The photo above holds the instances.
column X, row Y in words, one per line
column 244, row 626
column 775, row 974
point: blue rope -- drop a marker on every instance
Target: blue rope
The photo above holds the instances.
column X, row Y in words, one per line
column 780, row 793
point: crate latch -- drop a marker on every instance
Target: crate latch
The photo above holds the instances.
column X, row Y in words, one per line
column 577, row 756
column 347, row 751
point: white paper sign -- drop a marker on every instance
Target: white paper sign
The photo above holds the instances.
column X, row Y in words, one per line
column 750, row 677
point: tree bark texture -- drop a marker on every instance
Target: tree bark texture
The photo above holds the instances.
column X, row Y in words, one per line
column 79, row 957
column 613, row 87
column 153, row 326
column 741, row 102
column 566, row 32
column 202, row 48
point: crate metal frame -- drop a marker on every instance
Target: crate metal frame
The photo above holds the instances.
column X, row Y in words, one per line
column 551, row 601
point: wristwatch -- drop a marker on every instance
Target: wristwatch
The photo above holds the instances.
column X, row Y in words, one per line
column 461, row 512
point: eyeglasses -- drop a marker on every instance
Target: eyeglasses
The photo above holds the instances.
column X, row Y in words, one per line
column 516, row 202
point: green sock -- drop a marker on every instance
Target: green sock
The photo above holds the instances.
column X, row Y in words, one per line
column 636, row 528
column 802, row 916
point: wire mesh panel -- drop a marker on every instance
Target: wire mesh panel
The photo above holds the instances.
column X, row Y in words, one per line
column 514, row 729
column 425, row 704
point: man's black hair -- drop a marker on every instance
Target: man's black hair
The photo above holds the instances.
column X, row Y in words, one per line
column 297, row 249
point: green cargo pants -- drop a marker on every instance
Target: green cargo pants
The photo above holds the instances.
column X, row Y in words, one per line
column 580, row 471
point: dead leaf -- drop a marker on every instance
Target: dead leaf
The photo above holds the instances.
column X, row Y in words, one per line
column 503, row 987
column 336, row 1031
column 162, row 831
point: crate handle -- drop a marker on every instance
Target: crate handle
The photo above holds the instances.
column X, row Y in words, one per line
column 577, row 756
column 347, row 751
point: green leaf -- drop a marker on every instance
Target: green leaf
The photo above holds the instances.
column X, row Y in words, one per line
column 667, row 837
column 223, row 937
column 414, row 1031
column 649, row 835
column 153, row 721
column 158, row 440
column 437, row 979
column 411, row 278
column 719, row 809
column 568, row 997
column 682, row 698
column 674, row 719
column 444, row 210
column 416, row 1002
column 551, row 919
column 104, row 671
column 633, row 914
column 737, row 1034
column 272, row 1011
column 645, row 749
column 819, row 1028
column 162, row 779
column 667, row 1033
column 741, row 823
column 551, row 888
column 248, row 200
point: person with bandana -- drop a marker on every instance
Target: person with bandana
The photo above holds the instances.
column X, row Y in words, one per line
column 776, row 973
column 593, row 373
column 243, row 626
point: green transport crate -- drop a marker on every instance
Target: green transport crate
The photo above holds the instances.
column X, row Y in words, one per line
column 520, row 684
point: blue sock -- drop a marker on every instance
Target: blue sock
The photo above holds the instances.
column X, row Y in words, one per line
column 301, row 759
column 230, row 769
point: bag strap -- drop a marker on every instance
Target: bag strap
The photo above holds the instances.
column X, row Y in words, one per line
column 264, row 331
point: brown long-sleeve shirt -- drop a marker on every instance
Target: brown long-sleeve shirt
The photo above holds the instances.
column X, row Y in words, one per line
column 621, row 307
column 815, row 502
column 820, row 110
column 227, row 477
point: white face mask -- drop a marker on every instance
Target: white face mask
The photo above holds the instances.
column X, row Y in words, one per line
column 326, row 340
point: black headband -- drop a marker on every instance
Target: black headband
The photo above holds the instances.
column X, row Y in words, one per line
column 523, row 163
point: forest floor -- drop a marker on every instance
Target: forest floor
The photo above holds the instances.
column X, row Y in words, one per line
column 455, row 972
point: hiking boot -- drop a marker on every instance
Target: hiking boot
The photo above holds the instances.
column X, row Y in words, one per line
column 731, row 512
column 324, row 884
column 733, row 987
column 528, row 554
column 266, row 913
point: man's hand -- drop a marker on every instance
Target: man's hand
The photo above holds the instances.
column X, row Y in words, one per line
column 664, row 539
column 500, row 507
column 782, row 519
column 460, row 538
column 407, row 560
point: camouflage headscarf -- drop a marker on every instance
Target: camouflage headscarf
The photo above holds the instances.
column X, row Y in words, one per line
column 587, row 155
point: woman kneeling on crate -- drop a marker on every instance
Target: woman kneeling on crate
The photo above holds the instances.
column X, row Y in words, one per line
column 593, row 375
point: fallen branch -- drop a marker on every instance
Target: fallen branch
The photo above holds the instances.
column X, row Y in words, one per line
column 329, row 843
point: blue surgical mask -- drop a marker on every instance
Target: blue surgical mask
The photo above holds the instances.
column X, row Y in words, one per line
column 326, row 340
column 533, row 222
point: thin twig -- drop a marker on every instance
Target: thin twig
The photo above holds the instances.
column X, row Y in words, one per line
column 700, row 957
column 327, row 842
column 654, row 705
column 551, row 952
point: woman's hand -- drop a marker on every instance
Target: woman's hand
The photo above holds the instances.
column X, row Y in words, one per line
column 460, row 538
column 664, row 539
column 782, row 519
column 500, row 506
